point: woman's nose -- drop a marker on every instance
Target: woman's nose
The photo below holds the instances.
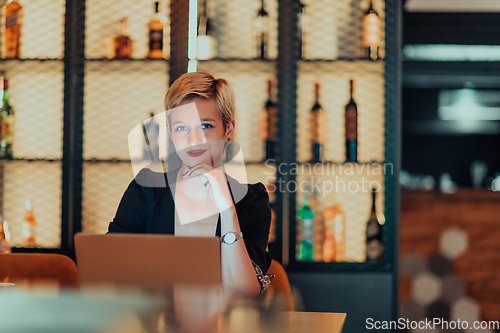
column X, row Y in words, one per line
column 196, row 137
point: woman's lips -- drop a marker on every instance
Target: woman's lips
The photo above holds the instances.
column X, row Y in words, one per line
column 196, row 152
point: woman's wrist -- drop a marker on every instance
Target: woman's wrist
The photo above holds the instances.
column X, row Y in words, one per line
column 229, row 220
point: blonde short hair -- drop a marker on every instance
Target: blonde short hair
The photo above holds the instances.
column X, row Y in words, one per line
column 204, row 85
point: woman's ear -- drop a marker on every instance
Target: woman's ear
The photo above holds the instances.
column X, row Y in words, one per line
column 230, row 129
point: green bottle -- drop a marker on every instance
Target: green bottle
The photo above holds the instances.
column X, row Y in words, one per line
column 6, row 122
column 306, row 219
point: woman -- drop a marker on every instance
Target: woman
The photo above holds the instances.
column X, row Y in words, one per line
column 200, row 125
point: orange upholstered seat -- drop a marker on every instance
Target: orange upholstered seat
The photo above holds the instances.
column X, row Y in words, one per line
column 280, row 286
column 33, row 267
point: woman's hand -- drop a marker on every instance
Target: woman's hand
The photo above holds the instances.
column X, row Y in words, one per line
column 216, row 183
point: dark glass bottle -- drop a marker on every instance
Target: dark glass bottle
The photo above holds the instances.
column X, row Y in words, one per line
column 156, row 34
column 123, row 43
column 268, row 123
column 301, row 30
column 317, row 129
column 351, row 129
column 374, row 234
column 261, row 32
column 12, row 12
column 370, row 33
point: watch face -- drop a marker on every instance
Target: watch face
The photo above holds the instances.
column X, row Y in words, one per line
column 229, row 238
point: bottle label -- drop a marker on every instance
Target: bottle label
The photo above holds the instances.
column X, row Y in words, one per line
column 271, row 123
column 123, row 47
column 318, row 128
column 372, row 229
column 263, row 125
column 351, row 123
column 9, row 126
column 4, row 128
column 307, row 230
column 11, row 20
column 28, row 233
column 267, row 129
column 155, row 40
column 374, row 249
column 11, row 36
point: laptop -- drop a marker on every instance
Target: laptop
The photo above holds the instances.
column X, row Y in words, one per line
column 152, row 261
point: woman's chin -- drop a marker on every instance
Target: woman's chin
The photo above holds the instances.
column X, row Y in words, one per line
column 192, row 161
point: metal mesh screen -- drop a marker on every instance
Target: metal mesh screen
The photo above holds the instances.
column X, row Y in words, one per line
column 332, row 28
column 334, row 78
column 348, row 187
column 42, row 32
column 39, row 181
column 103, row 187
column 234, row 25
column 36, row 89
column 119, row 94
column 332, row 56
column 102, row 26
column 36, row 95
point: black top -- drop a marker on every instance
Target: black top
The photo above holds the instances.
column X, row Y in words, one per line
column 150, row 209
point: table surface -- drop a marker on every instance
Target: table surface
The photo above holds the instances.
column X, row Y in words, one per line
column 112, row 311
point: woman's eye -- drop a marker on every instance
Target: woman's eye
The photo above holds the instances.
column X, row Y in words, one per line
column 206, row 126
column 180, row 128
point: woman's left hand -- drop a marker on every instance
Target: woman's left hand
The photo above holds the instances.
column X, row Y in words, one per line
column 218, row 189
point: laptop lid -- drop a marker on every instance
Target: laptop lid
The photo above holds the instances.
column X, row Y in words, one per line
column 156, row 261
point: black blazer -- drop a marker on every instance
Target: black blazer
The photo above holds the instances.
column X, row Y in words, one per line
column 147, row 208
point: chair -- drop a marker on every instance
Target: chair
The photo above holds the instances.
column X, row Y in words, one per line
column 33, row 267
column 280, row 286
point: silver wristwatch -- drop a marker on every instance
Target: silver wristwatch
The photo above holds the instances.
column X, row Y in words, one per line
column 231, row 237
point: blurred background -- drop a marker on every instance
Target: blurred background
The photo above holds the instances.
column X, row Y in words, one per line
column 450, row 141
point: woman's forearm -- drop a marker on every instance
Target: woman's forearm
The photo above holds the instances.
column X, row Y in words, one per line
column 238, row 273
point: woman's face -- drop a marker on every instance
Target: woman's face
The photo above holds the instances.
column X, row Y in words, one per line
column 198, row 132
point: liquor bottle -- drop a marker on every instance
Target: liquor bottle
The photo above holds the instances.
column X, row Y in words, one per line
column 156, row 25
column 6, row 122
column 267, row 131
column 207, row 42
column 123, row 43
column 261, row 32
column 151, row 147
column 4, row 237
column 302, row 30
column 351, row 129
column 334, row 245
column 306, row 223
column 29, row 225
column 370, row 33
column 318, row 127
column 11, row 35
column 374, row 233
